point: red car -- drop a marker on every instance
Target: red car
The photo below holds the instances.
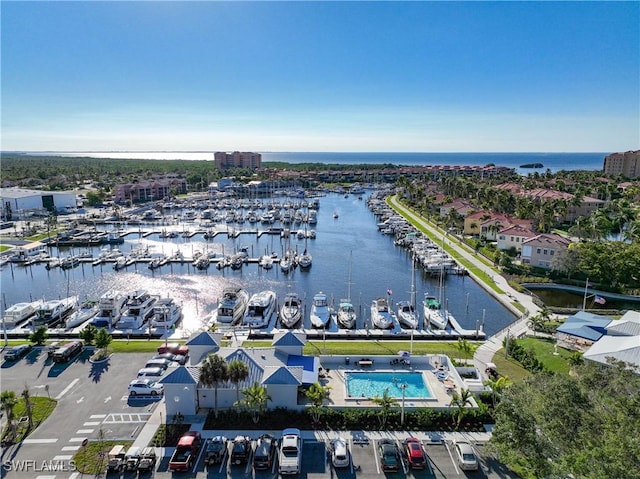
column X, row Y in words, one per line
column 415, row 454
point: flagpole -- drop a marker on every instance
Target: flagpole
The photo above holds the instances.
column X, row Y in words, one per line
column 584, row 300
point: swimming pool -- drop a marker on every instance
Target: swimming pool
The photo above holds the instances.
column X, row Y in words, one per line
column 371, row 384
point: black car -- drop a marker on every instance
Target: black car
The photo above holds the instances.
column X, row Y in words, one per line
column 389, row 456
column 16, row 352
column 240, row 450
column 265, row 452
column 216, row 449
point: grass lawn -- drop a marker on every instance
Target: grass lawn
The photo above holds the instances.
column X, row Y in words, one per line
column 92, row 459
column 4, row 247
column 42, row 407
column 509, row 367
column 135, row 346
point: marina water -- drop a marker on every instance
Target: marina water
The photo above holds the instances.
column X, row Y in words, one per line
column 378, row 267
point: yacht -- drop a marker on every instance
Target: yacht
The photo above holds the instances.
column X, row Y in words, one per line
column 432, row 312
column 166, row 313
column 305, row 260
column 18, row 313
column 110, row 306
column 260, row 309
column 291, row 310
column 381, row 316
column 346, row 315
column 49, row 313
column 320, row 312
column 266, row 261
column 83, row 312
column 232, row 305
column 138, row 309
column 407, row 316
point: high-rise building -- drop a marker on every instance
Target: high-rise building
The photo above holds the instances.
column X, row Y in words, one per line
column 237, row 159
column 625, row 164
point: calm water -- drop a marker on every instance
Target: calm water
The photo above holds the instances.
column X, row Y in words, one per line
column 371, row 384
column 377, row 266
column 552, row 161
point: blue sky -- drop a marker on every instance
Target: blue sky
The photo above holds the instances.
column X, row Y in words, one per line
column 326, row 76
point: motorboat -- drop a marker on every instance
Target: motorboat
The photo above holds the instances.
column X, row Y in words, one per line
column 381, row 316
column 166, row 313
column 260, row 309
column 432, row 312
column 120, row 263
column 305, row 260
column 202, row 262
column 407, row 316
column 138, row 309
column 266, row 261
column 83, row 312
column 320, row 311
column 69, row 262
column 18, row 313
column 291, row 310
column 110, row 308
column 51, row 312
column 232, row 305
column 346, row 314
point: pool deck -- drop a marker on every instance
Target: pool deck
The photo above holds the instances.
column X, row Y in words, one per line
column 334, row 369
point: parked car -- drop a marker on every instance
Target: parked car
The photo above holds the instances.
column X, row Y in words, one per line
column 132, row 458
column 177, row 358
column 158, row 363
column 150, row 372
column 240, row 450
column 116, row 458
column 16, row 352
column 467, row 459
column 147, row 460
column 389, row 457
column 290, row 455
column 339, row 453
column 265, row 452
column 415, row 453
column 139, row 387
column 174, row 348
column 216, row 450
column 186, row 451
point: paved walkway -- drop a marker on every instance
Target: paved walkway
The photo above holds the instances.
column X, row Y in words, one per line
column 481, row 273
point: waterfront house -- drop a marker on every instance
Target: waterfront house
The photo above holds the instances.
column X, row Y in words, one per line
column 540, row 250
column 582, row 330
column 513, row 236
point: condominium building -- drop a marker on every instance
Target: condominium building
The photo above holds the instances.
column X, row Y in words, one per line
column 155, row 189
column 626, row 164
column 237, row 159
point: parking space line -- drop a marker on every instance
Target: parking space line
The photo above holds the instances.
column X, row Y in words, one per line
column 97, row 416
column 67, row 389
column 375, row 454
column 45, row 477
column 401, row 451
column 70, row 448
column 84, row 431
column 62, row 458
column 77, row 439
column 39, row 441
column 91, row 423
column 452, row 459
column 74, row 475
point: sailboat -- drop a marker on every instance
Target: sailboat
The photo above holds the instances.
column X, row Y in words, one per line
column 346, row 315
column 432, row 307
column 407, row 315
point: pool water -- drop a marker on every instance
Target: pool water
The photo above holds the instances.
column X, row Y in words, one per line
column 371, row 384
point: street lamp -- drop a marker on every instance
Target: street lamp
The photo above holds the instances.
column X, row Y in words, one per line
column 402, row 386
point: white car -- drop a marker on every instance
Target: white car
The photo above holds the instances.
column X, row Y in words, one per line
column 467, row 459
column 145, row 387
column 339, row 453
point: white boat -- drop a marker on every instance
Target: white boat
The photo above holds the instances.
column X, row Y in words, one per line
column 83, row 312
column 232, row 305
column 260, row 309
column 432, row 312
column 138, row 309
column 110, row 307
column 407, row 316
column 266, row 261
column 320, row 312
column 346, row 315
column 166, row 313
column 51, row 312
column 120, row 263
column 18, row 313
column 381, row 316
column 69, row 262
column 305, row 260
column 291, row 310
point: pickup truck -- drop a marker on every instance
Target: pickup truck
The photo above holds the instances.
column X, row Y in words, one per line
column 240, row 450
column 186, row 451
column 290, row 456
column 216, row 449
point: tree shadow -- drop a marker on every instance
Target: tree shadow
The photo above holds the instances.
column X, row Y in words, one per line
column 97, row 369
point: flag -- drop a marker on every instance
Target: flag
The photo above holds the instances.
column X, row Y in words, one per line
column 389, row 292
column 599, row 300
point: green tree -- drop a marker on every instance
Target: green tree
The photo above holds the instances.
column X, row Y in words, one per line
column 89, row 334
column 460, row 401
column 238, row 372
column 8, row 402
column 317, row 394
column 497, row 386
column 386, row 403
column 103, row 339
column 255, row 400
column 39, row 336
column 214, row 370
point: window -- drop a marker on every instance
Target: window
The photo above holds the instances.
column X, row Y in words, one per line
column 551, row 252
column 545, row 252
column 538, row 250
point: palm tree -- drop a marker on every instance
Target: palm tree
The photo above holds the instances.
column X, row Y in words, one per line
column 460, row 401
column 385, row 402
column 8, row 401
column 497, row 386
column 28, row 407
column 255, row 400
column 316, row 394
column 213, row 371
column 238, row 372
